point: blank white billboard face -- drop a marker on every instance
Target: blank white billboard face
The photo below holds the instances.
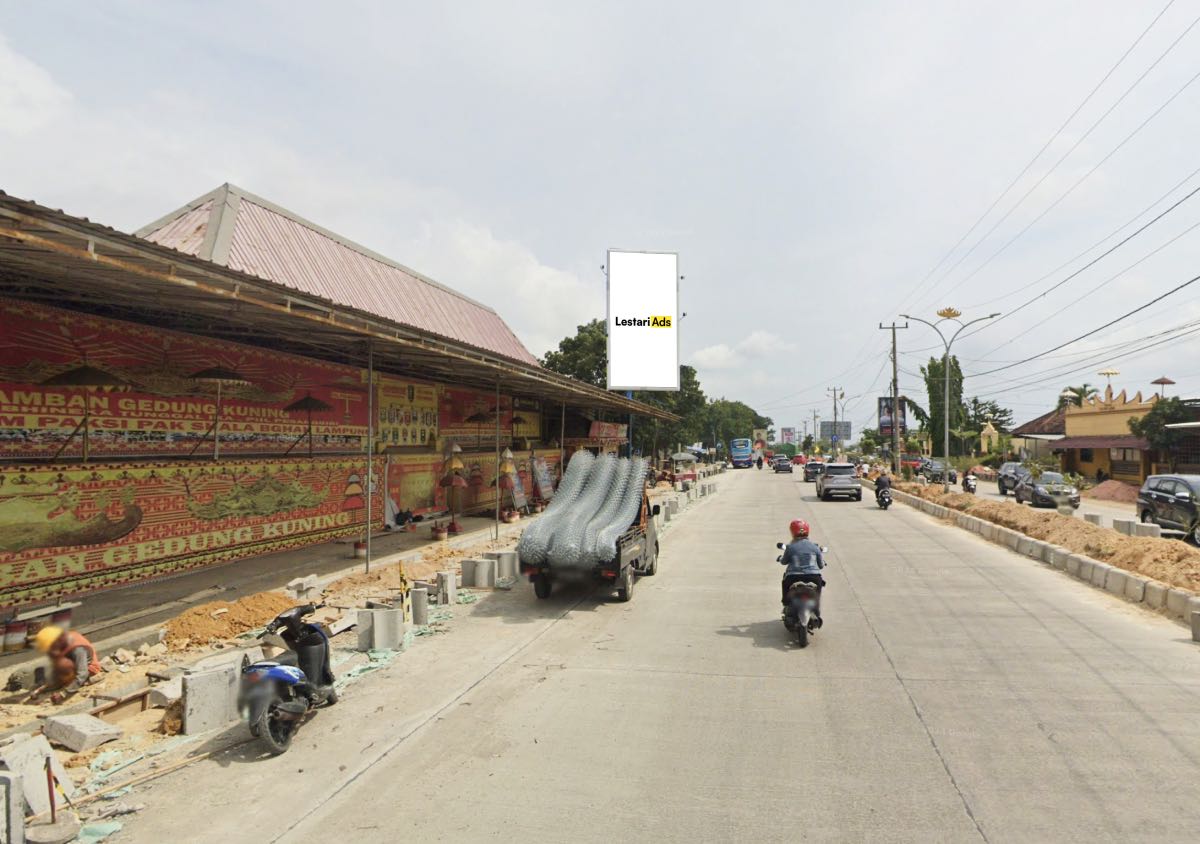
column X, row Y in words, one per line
column 643, row 320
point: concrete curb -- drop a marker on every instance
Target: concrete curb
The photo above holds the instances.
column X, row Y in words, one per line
column 1131, row 586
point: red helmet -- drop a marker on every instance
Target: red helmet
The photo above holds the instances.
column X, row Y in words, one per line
column 799, row 528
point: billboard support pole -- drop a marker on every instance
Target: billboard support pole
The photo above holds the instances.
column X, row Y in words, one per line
column 895, row 397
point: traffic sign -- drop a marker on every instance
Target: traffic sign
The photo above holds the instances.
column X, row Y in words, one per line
column 834, row 438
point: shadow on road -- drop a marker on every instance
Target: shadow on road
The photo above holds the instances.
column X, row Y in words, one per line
column 521, row 606
column 764, row 634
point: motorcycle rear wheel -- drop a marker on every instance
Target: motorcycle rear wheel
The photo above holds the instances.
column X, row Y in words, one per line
column 275, row 733
column 802, row 635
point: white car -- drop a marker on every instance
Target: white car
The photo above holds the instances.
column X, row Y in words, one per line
column 839, row 479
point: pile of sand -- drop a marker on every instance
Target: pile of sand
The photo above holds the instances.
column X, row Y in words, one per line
column 1111, row 490
column 200, row 625
column 1168, row 560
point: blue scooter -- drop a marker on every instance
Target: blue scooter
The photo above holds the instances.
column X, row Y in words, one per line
column 277, row 694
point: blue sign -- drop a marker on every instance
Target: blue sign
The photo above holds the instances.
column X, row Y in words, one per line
column 834, row 439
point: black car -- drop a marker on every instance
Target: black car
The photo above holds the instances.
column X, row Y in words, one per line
column 1045, row 490
column 812, row 469
column 782, row 463
column 1169, row 501
column 933, row 469
column 1009, row 476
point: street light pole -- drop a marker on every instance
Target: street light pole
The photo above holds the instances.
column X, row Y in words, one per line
column 947, row 315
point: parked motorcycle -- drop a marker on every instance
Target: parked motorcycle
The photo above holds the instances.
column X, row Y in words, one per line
column 277, row 694
column 884, row 499
column 800, row 611
column 969, row 484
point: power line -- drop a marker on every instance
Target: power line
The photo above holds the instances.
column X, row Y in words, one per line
column 1033, row 160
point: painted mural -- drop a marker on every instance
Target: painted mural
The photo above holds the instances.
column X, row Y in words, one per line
column 146, row 392
column 408, row 414
column 469, row 417
column 412, row 480
column 71, row 529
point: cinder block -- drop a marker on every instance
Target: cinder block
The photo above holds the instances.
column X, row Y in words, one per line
column 1135, row 587
column 1124, row 526
column 1026, row 546
column 387, row 629
column 26, row 756
column 447, row 587
column 420, row 605
column 1156, row 594
column 506, row 563
column 485, row 574
column 1147, row 529
column 1115, row 581
column 79, row 732
column 164, row 694
column 209, row 699
column 1012, row 539
column 1092, row 518
column 1100, row 573
column 1047, row 553
column 1177, row 602
column 365, row 628
column 236, row 657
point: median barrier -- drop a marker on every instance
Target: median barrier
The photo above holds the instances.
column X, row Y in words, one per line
column 1100, row 573
column 1177, row 601
column 1012, row 539
column 1073, row 563
column 1116, row 581
column 1058, row 557
column 1147, row 529
column 1084, row 571
column 1047, row 553
column 1155, row 596
column 1094, row 518
column 1124, row 526
column 1025, row 545
column 1135, row 587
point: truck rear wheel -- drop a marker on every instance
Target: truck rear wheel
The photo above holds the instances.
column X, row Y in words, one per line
column 542, row 586
column 625, row 590
column 652, row 567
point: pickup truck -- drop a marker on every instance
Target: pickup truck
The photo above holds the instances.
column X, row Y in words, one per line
column 637, row 556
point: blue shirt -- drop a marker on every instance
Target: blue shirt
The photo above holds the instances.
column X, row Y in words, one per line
column 803, row 556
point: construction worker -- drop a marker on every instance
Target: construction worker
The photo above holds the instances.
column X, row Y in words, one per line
column 73, row 662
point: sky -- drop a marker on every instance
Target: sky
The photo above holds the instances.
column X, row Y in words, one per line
column 820, row 168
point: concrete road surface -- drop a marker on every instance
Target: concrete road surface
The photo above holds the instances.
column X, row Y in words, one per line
column 958, row 692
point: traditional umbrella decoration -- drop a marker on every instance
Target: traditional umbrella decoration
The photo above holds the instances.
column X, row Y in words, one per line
column 1108, row 374
column 478, row 419
column 1162, row 383
column 308, row 404
column 452, row 479
column 506, row 477
column 88, row 379
column 221, row 377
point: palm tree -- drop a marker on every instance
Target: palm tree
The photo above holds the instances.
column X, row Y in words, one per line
column 1080, row 394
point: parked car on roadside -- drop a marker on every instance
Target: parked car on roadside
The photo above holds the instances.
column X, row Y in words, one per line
column 1045, row 490
column 1170, row 501
column 839, row 479
column 932, row 470
column 782, row 464
column 813, row 470
column 1009, row 476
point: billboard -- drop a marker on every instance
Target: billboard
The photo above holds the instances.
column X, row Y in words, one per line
column 789, row 436
column 643, row 320
column 760, row 439
column 839, row 429
column 886, row 417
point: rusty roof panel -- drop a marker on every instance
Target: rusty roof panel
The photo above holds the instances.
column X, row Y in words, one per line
column 186, row 232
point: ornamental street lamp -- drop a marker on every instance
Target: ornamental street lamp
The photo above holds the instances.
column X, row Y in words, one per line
column 947, row 315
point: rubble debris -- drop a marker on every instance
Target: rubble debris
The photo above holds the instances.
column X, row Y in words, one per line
column 80, row 732
column 27, row 756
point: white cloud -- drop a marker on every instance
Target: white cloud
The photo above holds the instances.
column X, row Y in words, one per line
column 757, row 345
column 29, row 97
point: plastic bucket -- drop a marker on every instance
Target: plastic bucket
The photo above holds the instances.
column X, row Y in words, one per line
column 14, row 636
column 61, row 618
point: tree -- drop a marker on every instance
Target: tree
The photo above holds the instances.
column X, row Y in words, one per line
column 728, row 420
column 1153, row 427
column 1080, row 394
column 688, row 402
column 941, row 416
column 807, row 445
column 977, row 413
column 869, row 440
column 584, row 356
column 784, row 448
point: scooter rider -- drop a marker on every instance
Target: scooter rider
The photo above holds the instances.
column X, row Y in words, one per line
column 804, row 562
column 884, row 481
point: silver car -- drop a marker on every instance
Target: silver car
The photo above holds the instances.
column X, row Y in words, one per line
column 839, row 479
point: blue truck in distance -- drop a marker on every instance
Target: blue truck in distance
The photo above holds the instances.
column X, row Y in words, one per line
column 740, row 453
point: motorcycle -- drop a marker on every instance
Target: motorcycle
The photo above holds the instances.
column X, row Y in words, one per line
column 969, row 484
column 800, row 611
column 884, row 499
column 277, row 694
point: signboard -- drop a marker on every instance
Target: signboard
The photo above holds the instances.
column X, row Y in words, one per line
column 643, row 320
column 518, row 493
column 607, row 431
column 542, row 479
column 840, row 433
column 408, row 413
column 789, row 436
column 151, row 404
column 886, row 417
column 760, row 439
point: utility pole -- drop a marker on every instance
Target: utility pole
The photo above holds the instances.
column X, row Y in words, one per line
column 834, row 391
column 895, row 397
column 816, row 428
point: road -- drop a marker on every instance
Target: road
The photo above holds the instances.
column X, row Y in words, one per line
column 958, row 692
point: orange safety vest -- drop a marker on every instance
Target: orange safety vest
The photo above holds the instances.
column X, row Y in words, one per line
column 78, row 640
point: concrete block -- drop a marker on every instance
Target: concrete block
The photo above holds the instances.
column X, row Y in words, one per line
column 1093, row 518
column 236, row 657
column 1100, row 573
column 1083, row 567
column 79, row 732
column 420, row 605
column 14, row 806
column 1135, row 587
column 1058, row 557
column 365, row 628
column 1116, row 581
column 1012, row 539
column 1047, row 553
column 387, row 629
column 447, row 587
column 1124, row 526
column 485, row 574
column 468, row 572
column 1026, row 546
column 1147, row 529
column 506, row 563
column 26, row 757
column 210, row 699
column 1156, row 595
column 666, row 515
column 164, row 694
column 1177, row 602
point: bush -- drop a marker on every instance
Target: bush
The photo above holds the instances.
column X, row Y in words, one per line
column 906, row 472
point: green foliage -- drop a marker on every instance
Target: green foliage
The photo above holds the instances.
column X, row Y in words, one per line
column 807, row 445
column 689, row 402
column 1080, row 394
column 583, row 356
column 1153, row 427
column 935, row 387
column 977, row 413
column 869, row 441
column 783, row 448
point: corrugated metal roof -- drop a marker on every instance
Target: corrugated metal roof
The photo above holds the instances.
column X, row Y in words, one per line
column 249, row 234
column 1101, row 441
column 185, row 232
column 1054, row 422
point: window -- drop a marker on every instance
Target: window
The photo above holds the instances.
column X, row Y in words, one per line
column 1129, row 455
column 1086, row 455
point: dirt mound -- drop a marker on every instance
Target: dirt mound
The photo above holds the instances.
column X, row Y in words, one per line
column 1113, row 491
column 200, row 625
column 1168, row 560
